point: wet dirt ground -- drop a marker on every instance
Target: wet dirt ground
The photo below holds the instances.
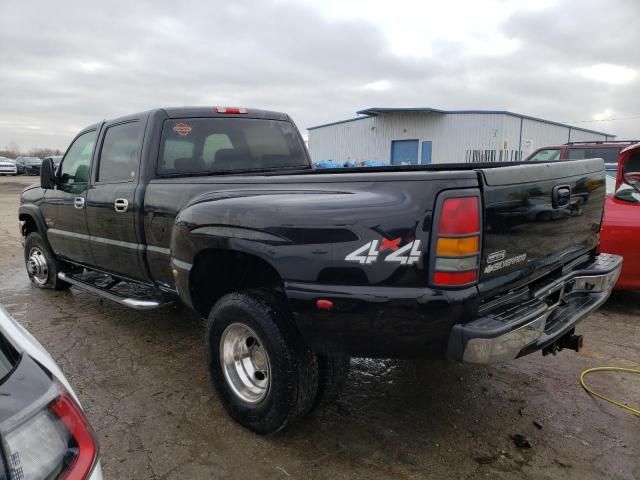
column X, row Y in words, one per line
column 143, row 382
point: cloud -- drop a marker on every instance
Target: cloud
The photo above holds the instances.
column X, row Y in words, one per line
column 608, row 73
column 71, row 63
column 378, row 86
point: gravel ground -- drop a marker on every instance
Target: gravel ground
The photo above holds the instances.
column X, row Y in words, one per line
column 142, row 380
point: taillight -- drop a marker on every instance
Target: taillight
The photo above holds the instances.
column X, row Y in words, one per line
column 456, row 241
column 231, row 110
column 54, row 441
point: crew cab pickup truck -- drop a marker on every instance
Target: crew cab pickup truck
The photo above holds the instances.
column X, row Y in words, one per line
column 297, row 269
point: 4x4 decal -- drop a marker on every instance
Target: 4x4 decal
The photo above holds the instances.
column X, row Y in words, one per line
column 369, row 252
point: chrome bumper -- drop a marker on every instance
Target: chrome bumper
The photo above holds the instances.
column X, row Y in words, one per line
column 541, row 319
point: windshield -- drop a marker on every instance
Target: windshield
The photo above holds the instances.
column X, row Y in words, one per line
column 202, row 145
column 549, row 155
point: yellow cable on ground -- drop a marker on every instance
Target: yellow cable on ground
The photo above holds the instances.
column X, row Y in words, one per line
column 596, row 394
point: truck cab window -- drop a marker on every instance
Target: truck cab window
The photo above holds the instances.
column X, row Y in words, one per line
column 210, row 145
column 173, row 150
column 120, row 155
column 609, row 155
column 546, row 156
column 74, row 169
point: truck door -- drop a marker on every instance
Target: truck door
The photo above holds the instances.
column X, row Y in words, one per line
column 64, row 206
column 111, row 202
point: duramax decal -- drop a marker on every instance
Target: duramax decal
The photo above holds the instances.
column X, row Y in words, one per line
column 505, row 263
column 368, row 253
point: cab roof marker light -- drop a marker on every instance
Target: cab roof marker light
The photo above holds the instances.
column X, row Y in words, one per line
column 231, row 110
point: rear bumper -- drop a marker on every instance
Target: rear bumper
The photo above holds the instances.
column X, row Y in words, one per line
column 394, row 322
column 519, row 326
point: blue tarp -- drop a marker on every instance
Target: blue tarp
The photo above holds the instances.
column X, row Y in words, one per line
column 373, row 163
column 347, row 164
column 327, row 164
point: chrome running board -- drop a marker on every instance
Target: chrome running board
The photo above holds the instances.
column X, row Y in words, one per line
column 135, row 303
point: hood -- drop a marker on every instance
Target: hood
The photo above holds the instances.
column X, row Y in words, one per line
column 31, row 187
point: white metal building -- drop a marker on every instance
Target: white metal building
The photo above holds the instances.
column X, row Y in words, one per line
column 428, row 135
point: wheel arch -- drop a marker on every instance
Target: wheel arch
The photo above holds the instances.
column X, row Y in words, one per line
column 32, row 221
column 218, row 271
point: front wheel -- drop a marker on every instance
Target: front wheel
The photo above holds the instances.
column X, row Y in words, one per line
column 42, row 265
column 265, row 375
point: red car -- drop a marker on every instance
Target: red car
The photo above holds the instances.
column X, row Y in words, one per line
column 621, row 223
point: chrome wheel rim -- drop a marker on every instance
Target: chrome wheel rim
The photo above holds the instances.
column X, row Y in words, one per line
column 245, row 363
column 37, row 266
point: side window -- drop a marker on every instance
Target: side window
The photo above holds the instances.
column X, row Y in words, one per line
column 120, row 154
column 610, row 155
column 74, row 170
column 546, row 156
column 577, row 153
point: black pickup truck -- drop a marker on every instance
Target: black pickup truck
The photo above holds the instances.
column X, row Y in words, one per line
column 295, row 269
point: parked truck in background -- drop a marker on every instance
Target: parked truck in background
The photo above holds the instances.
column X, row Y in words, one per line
column 608, row 150
column 296, row 269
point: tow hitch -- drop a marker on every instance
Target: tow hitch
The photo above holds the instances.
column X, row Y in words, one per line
column 569, row 340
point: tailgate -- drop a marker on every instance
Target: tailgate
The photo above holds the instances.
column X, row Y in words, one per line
column 538, row 217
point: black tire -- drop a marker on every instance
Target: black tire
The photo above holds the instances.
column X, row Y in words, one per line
column 333, row 373
column 293, row 368
column 35, row 243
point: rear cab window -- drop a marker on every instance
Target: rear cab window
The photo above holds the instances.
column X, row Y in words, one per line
column 210, row 145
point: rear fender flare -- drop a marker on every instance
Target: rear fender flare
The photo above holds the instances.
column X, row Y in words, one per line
column 187, row 245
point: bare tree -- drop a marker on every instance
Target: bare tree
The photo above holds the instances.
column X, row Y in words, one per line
column 11, row 151
column 44, row 152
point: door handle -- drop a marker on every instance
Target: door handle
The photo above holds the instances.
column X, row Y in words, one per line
column 78, row 202
column 121, row 205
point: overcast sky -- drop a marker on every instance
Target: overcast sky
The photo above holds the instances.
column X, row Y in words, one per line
column 66, row 64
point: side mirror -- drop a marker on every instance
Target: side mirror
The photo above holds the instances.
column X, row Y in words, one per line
column 627, row 193
column 47, row 174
